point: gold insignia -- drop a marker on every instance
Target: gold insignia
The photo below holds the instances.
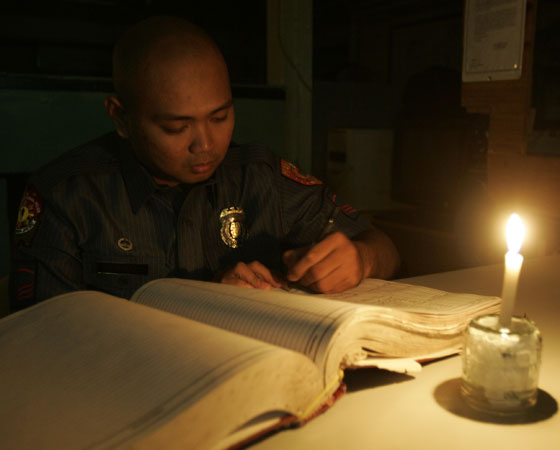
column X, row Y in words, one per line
column 233, row 230
column 125, row 244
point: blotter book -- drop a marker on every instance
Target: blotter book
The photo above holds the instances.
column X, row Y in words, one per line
column 188, row 364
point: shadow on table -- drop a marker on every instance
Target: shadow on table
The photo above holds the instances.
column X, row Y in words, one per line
column 448, row 396
column 365, row 378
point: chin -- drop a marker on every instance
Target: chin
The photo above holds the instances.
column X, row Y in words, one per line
column 196, row 178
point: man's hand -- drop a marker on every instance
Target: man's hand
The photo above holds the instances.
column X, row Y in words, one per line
column 253, row 274
column 333, row 265
column 337, row 263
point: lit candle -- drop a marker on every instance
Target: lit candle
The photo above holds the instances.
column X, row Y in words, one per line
column 502, row 354
column 515, row 232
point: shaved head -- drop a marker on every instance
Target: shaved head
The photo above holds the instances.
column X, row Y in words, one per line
column 152, row 44
column 173, row 99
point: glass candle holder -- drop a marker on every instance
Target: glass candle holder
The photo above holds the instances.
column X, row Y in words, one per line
column 501, row 365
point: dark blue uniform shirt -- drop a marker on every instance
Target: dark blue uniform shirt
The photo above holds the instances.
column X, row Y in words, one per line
column 95, row 219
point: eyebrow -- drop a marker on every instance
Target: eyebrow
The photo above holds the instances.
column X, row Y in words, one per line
column 166, row 116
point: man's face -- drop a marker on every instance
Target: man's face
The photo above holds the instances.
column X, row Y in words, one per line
column 181, row 123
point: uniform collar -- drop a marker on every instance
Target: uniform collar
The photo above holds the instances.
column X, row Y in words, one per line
column 139, row 183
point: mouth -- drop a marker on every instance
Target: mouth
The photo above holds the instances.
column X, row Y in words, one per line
column 202, row 167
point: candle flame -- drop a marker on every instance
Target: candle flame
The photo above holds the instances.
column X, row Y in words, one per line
column 515, row 232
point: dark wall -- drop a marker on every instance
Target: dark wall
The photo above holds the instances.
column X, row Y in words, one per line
column 75, row 37
column 55, row 70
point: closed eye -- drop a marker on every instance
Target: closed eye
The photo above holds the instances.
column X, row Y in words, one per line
column 174, row 130
column 219, row 118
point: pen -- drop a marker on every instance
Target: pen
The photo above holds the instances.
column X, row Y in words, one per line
column 328, row 226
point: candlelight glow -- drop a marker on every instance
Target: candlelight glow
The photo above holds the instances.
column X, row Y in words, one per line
column 515, row 232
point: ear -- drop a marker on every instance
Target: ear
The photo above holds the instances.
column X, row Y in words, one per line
column 117, row 113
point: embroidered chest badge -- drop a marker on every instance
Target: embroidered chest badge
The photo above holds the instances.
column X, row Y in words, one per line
column 292, row 172
column 233, row 229
column 30, row 210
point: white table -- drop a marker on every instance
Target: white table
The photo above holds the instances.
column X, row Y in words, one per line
column 389, row 411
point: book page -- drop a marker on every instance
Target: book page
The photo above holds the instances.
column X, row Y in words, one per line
column 393, row 319
column 297, row 322
column 87, row 370
column 411, row 298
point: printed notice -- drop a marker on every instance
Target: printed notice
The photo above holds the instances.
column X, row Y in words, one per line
column 493, row 40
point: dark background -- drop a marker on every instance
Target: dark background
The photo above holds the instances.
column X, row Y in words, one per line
column 377, row 64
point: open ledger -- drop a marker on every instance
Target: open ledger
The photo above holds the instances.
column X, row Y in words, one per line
column 190, row 364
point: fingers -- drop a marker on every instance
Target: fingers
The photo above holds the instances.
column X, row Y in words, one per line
column 291, row 257
column 332, row 265
column 253, row 274
column 300, row 261
column 327, row 277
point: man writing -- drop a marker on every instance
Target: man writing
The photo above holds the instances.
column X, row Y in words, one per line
column 168, row 194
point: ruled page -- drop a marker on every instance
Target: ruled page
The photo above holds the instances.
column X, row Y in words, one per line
column 87, row 370
column 300, row 323
column 416, row 299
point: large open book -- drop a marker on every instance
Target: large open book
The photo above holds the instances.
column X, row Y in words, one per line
column 188, row 364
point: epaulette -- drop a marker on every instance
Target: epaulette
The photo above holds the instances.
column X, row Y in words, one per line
column 95, row 156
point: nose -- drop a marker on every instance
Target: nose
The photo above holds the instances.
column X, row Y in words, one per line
column 202, row 139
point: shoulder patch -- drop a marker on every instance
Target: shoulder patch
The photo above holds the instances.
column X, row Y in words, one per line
column 290, row 171
column 29, row 214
